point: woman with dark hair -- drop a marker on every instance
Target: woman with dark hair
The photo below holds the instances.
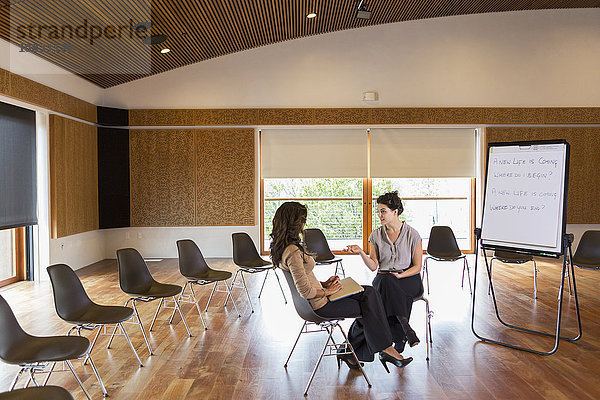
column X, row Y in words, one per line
column 370, row 333
column 396, row 254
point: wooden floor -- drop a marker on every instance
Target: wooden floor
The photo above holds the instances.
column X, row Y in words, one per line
column 243, row 358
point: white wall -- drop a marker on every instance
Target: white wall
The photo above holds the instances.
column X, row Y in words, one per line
column 77, row 250
column 531, row 58
column 46, row 73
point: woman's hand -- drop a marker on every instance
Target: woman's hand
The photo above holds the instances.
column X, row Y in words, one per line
column 353, row 248
column 334, row 287
column 331, row 280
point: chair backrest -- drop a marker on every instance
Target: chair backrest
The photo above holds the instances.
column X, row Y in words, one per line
column 191, row 260
column 316, row 243
column 244, row 251
column 70, row 299
column 588, row 250
column 301, row 305
column 134, row 276
column 11, row 333
column 442, row 243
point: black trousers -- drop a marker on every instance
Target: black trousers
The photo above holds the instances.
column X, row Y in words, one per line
column 368, row 334
column 397, row 297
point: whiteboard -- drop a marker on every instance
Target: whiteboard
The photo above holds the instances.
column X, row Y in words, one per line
column 525, row 197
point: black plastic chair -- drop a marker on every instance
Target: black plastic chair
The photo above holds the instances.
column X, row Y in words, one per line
column 135, row 280
column 328, row 325
column 508, row 257
column 194, row 268
column 74, row 306
column 316, row 243
column 246, row 257
column 37, row 393
column 34, row 353
column 587, row 255
column 442, row 246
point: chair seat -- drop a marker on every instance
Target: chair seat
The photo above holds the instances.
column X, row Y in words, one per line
column 328, row 261
column 447, row 257
column 586, row 262
column 36, row 393
column 49, row 348
column 212, row 275
column 160, row 290
column 256, row 264
column 512, row 258
column 98, row 314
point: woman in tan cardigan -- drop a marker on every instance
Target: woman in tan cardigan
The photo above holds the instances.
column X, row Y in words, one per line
column 369, row 334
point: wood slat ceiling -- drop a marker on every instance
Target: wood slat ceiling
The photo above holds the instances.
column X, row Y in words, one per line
column 200, row 30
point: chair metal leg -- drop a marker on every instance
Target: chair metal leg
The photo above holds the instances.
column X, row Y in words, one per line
column 232, row 283
column 137, row 314
column 77, row 379
column 99, row 328
column 197, row 306
column 295, row 343
column 130, row 344
column 15, row 379
column 426, row 272
column 535, row 272
column 349, row 345
column 179, row 297
column 115, row 330
column 211, row 295
column 466, row 266
column 246, row 289
column 182, row 317
column 318, row 362
column 232, row 299
column 49, row 373
column 156, row 313
column 280, row 287
column 264, row 281
column 89, row 358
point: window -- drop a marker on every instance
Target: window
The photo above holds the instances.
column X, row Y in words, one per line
column 334, row 205
column 12, row 255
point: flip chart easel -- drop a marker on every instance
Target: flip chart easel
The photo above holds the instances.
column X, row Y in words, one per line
column 524, row 211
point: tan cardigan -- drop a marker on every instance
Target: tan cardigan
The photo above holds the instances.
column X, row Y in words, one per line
column 301, row 267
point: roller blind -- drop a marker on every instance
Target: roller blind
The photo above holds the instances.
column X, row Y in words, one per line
column 314, row 153
column 18, row 194
column 422, row 153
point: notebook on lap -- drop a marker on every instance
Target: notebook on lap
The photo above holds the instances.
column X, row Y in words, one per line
column 349, row 287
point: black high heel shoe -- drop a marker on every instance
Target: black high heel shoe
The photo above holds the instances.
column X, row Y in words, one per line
column 347, row 358
column 386, row 358
column 412, row 338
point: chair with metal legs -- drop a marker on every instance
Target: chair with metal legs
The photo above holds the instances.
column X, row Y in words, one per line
column 428, row 316
column 316, row 243
column 246, row 257
column 194, row 268
column 74, row 306
column 135, row 280
column 331, row 348
column 587, row 255
column 37, row 393
column 442, row 246
column 508, row 257
column 34, row 353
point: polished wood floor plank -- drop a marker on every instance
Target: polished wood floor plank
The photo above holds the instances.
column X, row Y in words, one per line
column 242, row 358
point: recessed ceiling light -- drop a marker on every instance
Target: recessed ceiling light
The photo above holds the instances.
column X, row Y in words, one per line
column 163, row 51
column 311, row 15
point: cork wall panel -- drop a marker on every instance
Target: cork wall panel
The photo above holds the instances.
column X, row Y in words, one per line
column 4, row 82
column 398, row 115
column 458, row 115
column 286, row 116
column 225, row 176
column 73, row 177
column 584, row 175
column 32, row 92
column 344, row 116
column 511, row 115
column 572, row 115
column 161, row 177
